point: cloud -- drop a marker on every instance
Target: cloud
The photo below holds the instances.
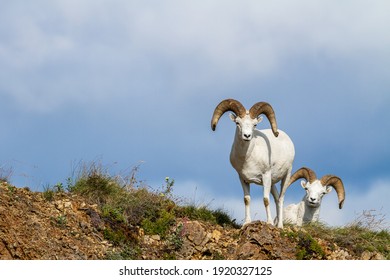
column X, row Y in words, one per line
column 139, row 81
column 372, row 196
column 73, row 52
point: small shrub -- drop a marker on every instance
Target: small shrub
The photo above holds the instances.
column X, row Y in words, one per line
column 6, row 174
column 59, row 221
column 59, row 187
column 197, row 213
column 126, row 206
column 130, row 252
column 113, row 213
column 204, row 214
column 168, row 188
column 117, row 237
column 48, row 194
column 98, row 188
column 308, row 248
column 11, row 190
column 176, row 238
column 4, row 180
column 159, row 225
column 94, row 183
column 125, row 249
column 372, row 220
column 356, row 237
column 223, row 219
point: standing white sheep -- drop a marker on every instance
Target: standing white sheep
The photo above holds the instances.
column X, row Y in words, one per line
column 263, row 157
column 308, row 210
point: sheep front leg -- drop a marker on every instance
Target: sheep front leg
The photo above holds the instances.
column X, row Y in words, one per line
column 267, row 190
column 247, row 201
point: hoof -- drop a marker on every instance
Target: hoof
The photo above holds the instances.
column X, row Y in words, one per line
column 246, row 223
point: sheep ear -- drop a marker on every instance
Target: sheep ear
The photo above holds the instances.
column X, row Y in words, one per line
column 259, row 119
column 303, row 184
column 232, row 117
column 328, row 189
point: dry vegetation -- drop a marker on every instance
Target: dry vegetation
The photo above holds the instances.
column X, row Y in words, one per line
column 125, row 211
column 128, row 205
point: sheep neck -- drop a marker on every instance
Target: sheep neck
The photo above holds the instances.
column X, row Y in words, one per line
column 311, row 214
column 241, row 147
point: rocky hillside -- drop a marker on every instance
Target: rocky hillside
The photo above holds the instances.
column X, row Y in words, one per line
column 66, row 225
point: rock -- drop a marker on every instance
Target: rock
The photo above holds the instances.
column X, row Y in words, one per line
column 260, row 241
column 196, row 233
column 155, row 237
column 378, row 256
column 70, row 228
column 367, row 255
column 59, row 205
column 67, row 204
column 216, row 235
column 32, row 229
column 339, row 254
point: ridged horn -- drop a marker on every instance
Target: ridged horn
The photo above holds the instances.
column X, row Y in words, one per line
column 227, row 105
column 266, row 109
column 337, row 184
column 303, row 172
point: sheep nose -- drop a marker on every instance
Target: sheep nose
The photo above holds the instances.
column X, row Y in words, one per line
column 312, row 199
column 247, row 136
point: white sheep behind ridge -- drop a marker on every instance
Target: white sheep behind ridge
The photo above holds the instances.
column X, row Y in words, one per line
column 308, row 209
column 263, row 157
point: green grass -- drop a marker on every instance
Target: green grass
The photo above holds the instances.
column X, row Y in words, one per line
column 308, row 248
column 126, row 206
column 202, row 213
column 355, row 237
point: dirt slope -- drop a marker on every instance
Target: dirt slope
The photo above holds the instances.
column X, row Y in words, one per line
column 66, row 227
column 33, row 228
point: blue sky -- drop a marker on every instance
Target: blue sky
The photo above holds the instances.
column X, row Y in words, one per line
column 136, row 82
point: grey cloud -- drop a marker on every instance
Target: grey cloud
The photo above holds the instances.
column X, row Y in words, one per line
column 94, row 49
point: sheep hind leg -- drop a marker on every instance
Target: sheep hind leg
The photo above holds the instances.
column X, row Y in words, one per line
column 283, row 188
column 275, row 194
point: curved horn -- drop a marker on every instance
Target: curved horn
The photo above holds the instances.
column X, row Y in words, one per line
column 305, row 173
column 227, row 105
column 337, row 184
column 266, row 109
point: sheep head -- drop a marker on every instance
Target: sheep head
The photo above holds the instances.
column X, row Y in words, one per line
column 317, row 188
column 246, row 120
